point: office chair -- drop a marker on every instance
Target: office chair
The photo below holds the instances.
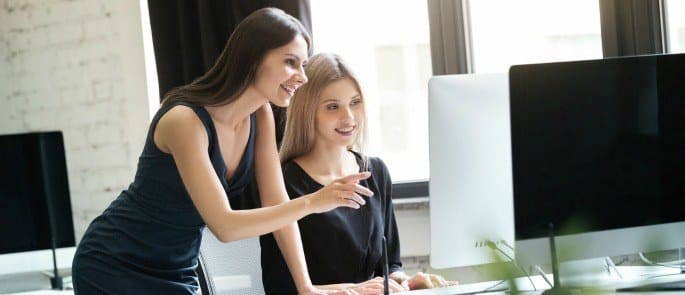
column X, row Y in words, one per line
column 229, row 268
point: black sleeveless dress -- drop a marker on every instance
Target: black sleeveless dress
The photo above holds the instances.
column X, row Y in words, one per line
column 147, row 240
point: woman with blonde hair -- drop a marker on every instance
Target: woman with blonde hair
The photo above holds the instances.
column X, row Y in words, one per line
column 323, row 140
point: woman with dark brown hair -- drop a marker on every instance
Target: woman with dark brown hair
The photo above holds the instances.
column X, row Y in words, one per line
column 203, row 145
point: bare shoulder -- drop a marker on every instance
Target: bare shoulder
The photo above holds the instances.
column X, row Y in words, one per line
column 265, row 113
column 179, row 125
column 265, row 120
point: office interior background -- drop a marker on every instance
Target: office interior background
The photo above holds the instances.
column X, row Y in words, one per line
column 88, row 69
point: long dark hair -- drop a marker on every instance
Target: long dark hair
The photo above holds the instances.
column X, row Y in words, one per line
column 236, row 67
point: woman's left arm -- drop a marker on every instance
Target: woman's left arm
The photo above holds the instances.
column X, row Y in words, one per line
column 391, row 233
column 272, row 192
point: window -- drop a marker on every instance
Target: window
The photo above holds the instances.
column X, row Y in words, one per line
column 150, row 63
column 387, row 45
column 675, row 25
column 505, row 33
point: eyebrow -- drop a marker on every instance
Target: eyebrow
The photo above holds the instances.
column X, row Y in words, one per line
column 296, row 57
column 336, row 100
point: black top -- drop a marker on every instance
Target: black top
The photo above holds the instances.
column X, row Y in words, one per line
column 147, row 240
column 342, row 245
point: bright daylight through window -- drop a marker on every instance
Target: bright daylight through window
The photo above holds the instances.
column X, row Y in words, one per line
column 505, row 33
column 675, row 25
column 387, row 45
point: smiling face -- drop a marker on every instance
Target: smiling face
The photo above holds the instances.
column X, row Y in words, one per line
column 281, row 72
column 339, row 114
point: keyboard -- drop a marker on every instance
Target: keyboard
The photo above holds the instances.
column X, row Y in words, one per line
column 477, row 288
column 665, row 286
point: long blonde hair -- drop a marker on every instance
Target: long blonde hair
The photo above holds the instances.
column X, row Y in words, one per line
column 300, row 130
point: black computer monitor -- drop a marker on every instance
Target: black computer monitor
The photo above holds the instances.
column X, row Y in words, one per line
column 598, row 149
column 33, row 190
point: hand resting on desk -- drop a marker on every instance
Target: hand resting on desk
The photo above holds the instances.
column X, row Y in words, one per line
column 372, row 286
column 426, row 281
column 399, row 282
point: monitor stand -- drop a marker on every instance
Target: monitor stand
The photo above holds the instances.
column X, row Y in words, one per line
column 556, row 289
column 61, row 282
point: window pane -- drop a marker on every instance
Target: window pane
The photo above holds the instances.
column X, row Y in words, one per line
column 508, row 32
column 675, row 25
column 387, row 45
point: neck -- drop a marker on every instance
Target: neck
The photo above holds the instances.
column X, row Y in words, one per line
column 234, row 113
column 333, row 160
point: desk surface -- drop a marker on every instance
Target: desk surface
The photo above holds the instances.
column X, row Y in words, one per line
column 631, row 276
column 46, row 292
column 31, row 283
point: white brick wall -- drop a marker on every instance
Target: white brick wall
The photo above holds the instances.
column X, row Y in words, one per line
column 77, row 66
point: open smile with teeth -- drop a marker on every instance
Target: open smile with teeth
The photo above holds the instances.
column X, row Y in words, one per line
column 290, row 89
column 345, row 130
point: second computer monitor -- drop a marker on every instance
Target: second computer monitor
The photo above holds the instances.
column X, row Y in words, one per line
column 35, row 207
column 470, row 169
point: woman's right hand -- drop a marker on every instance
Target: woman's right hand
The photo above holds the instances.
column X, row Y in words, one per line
column 371, row 287
column 427, row 281
column 376, row 286
column 344, row 191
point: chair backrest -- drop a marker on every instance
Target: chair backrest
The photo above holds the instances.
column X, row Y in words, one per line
column 230, row 268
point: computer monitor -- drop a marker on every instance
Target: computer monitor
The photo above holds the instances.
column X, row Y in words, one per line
column 598, row 150
column 34, row 189
column 470, row 169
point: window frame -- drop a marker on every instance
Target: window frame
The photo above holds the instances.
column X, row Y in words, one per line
column 629, row 27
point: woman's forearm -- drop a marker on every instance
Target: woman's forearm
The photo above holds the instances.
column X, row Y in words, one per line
column 336, row 286
column 290, row 244
column 241, row 224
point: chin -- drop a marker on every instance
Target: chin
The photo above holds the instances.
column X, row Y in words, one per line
column 281, row 102
column 346, row 142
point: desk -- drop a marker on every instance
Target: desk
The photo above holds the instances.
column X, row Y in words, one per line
column 31, row 283
column 46, row 292
column 632, row 276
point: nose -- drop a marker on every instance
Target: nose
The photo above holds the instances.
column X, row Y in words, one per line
column 347, row 114
column 301, row 76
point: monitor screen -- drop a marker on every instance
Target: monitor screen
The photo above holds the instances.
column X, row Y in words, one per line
column 33, row 187
column 598, row 145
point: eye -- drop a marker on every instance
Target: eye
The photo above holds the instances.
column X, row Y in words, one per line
column 356, row 102
column 291, row 62
column 332, row 106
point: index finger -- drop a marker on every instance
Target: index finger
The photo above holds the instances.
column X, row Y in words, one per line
column 405, row 284
column 395, row 286
column 438, row 281
column 354, row 177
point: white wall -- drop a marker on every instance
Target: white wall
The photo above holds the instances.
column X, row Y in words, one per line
column 78, row 66
column 413, row 224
